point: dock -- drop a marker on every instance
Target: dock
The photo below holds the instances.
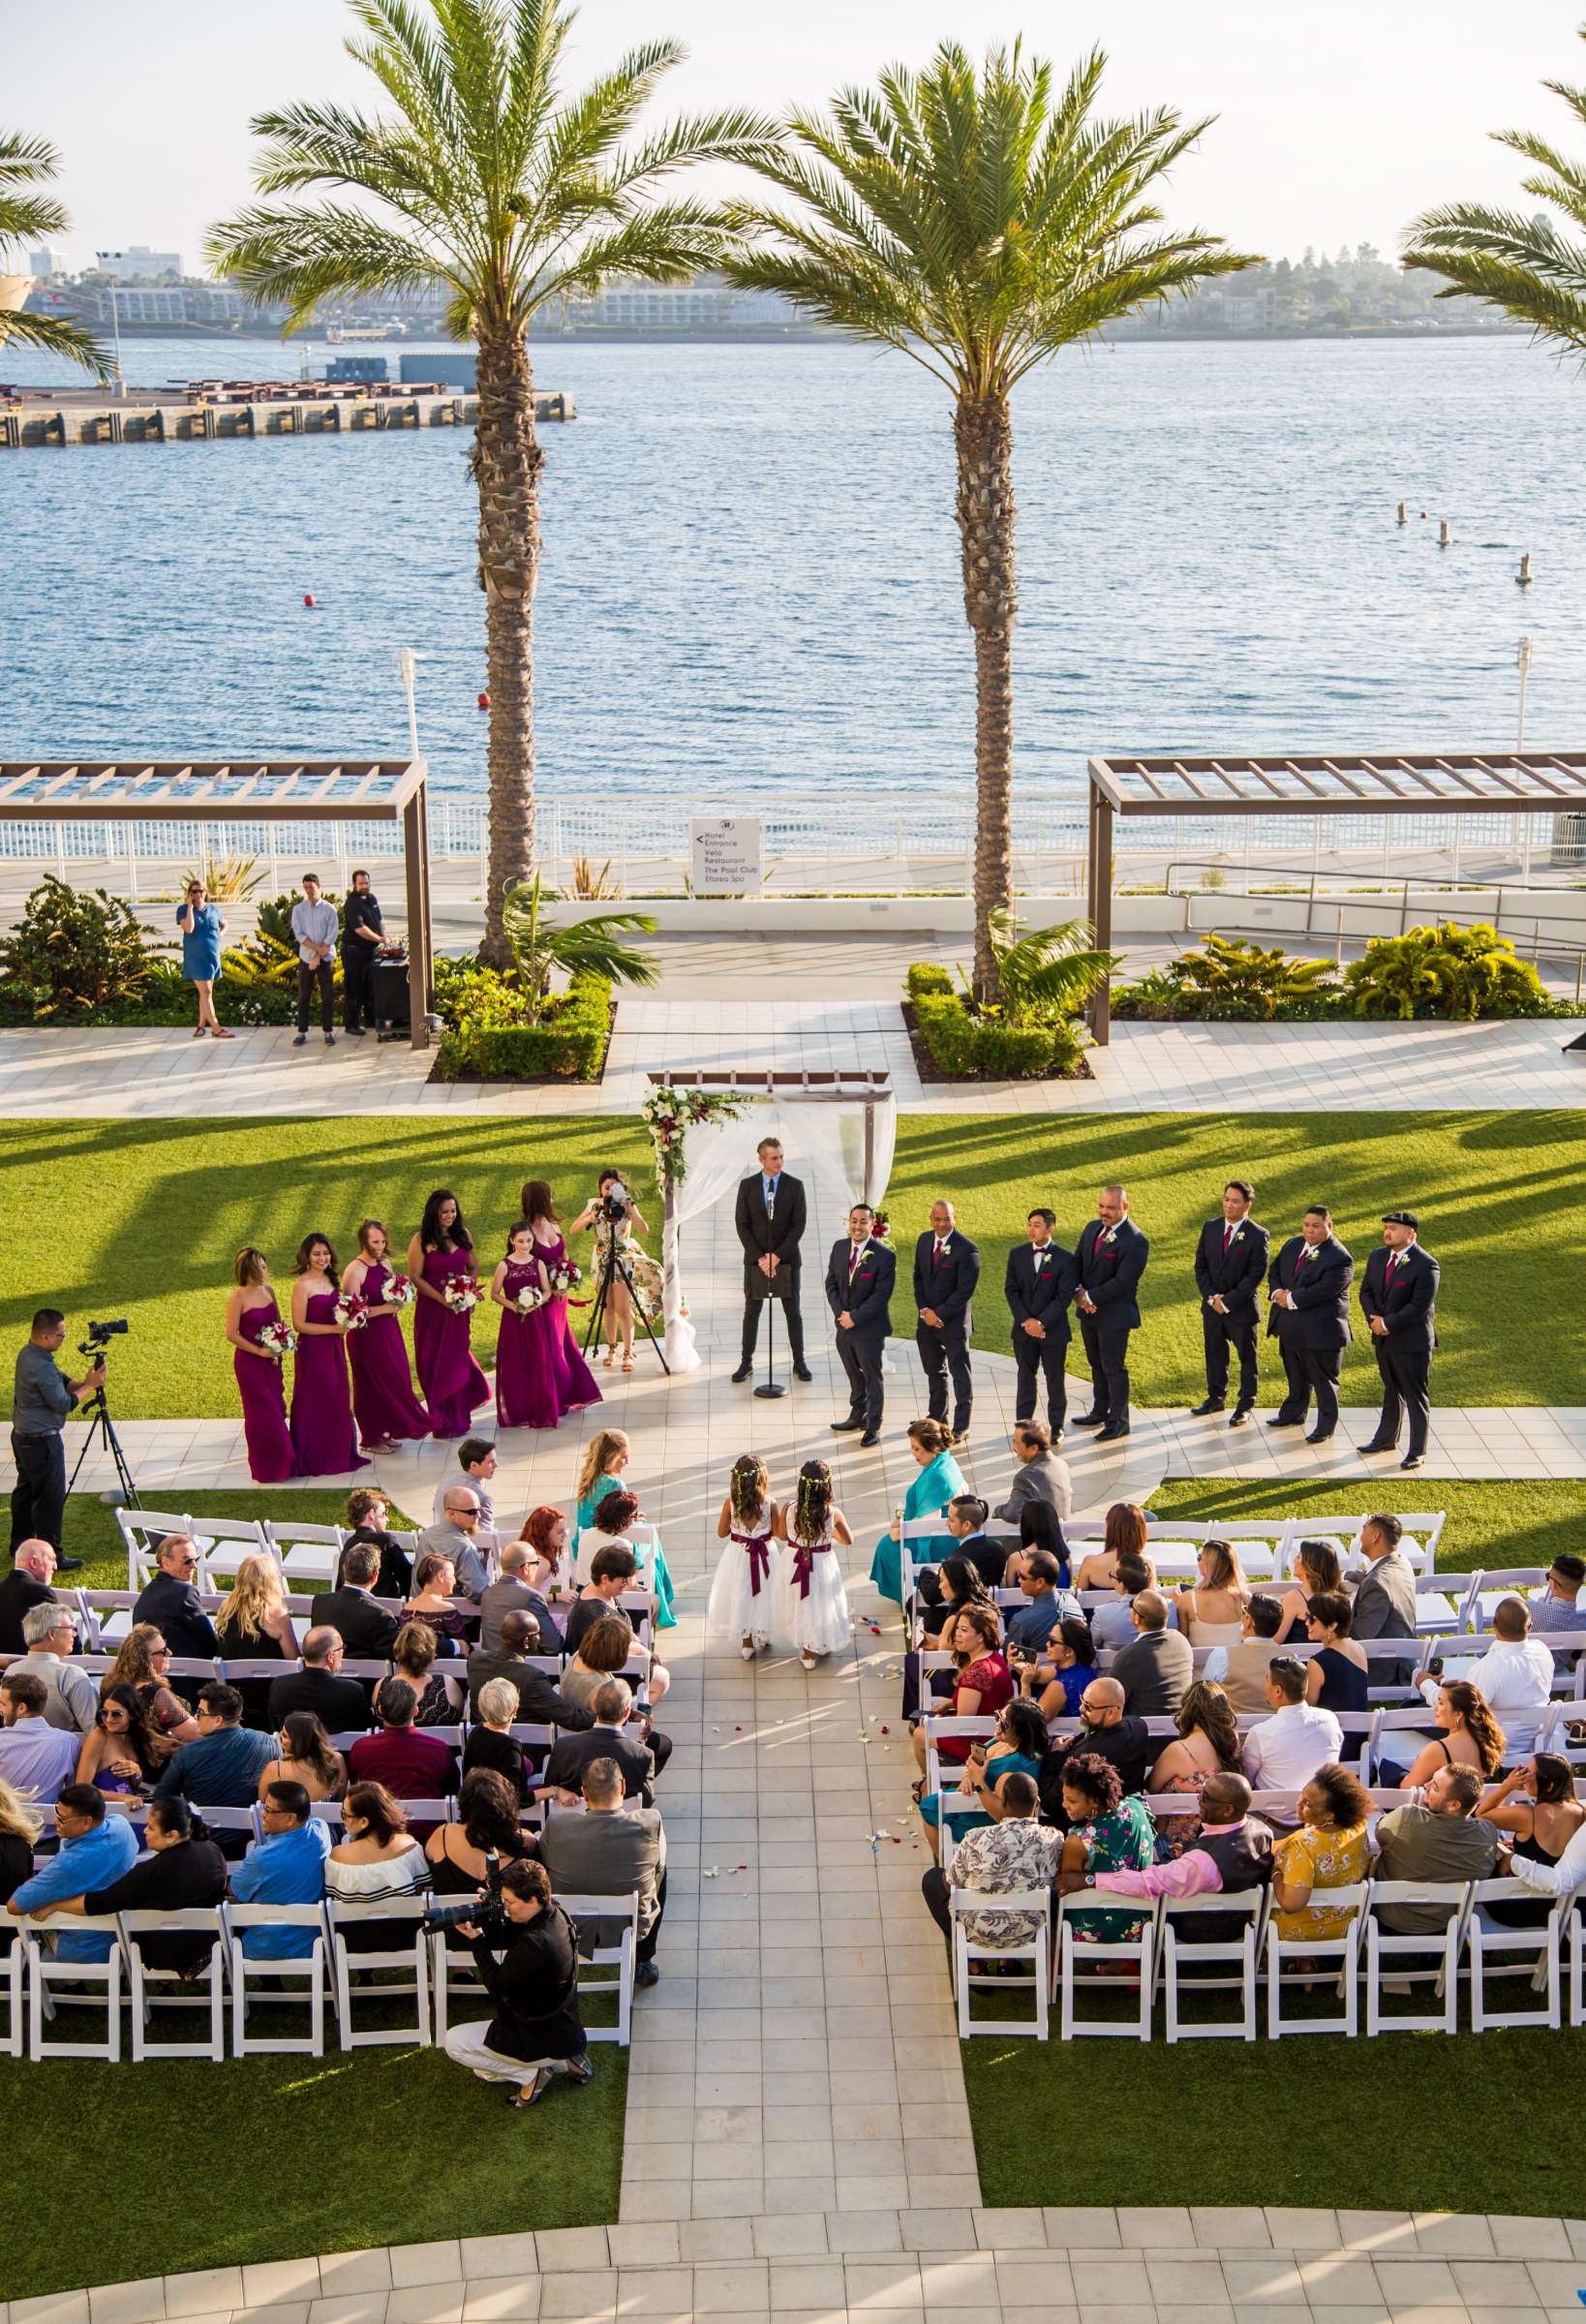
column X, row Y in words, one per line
column 307, row 408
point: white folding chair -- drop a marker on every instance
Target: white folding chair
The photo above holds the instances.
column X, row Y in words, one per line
column 1345, row 1950
column 236, row 1673
column 143, row 1530
column 1181, row 1946
column 294, row 1978
column 1572, row 1932
column 1036, row 1951
column 224, row 1541
column 1422, row 1536
column 12, row 1988
column 448, row 1967
column 1392, row 1740
column 1442, row 1601
column 619, row 1954
column 54, row 1983
column 307, row 1552
column 1418, row 1957
column 410, row 1957
column 938, row 1729
column 1072, row 1952
column 1491, row 1948
column 166, row 1989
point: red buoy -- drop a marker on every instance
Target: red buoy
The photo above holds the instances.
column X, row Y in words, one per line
column 485, row 701
column 309, row 600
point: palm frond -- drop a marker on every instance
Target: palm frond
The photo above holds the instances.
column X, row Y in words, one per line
column 26, row 165
column 1051, row 970
column 56, row 335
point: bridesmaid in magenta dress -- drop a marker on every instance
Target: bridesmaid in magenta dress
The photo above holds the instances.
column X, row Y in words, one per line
column 451, row 1383
column 260, row 1385
column 564, row 1380
column 384, row 1404
column 525, row 1393
column 322, row 1434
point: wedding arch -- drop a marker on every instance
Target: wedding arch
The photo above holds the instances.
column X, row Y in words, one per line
column 847, row 1122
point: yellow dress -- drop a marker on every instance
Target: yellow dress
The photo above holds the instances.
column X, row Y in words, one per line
column 1327, row 1861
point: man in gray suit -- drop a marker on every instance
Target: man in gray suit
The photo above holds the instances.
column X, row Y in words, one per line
column 613, row 1849
column 1040, row 1476
column 1385, row 1601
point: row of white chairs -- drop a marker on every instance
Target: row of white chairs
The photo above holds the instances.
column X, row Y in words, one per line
column 36, row 1985
column 1445, row 1602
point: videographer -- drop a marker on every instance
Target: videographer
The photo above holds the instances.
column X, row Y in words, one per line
column 618, row 1223
column 536, row 2031
column 40, row 1403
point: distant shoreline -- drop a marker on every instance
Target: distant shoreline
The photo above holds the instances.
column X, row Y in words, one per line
column 814, row 335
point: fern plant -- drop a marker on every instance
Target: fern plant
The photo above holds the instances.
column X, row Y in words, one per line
column 1445, row 971
column 590, row 947
column 1045, row 977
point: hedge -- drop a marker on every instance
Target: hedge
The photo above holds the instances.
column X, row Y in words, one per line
column 962, row 1047
column 568, row 1043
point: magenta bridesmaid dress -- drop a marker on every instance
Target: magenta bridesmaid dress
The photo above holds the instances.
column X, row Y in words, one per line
column 560, row 1381
column 384, row 1404
column 271, row 1459
column 525, row 1393
column 322, row 1434
column 453, row 1385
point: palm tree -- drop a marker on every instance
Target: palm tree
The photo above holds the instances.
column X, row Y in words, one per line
column 589, row 947
column 978, row 226
column 25, row 217
column 485, row 174
column 1524, row 265
column 1051, row 972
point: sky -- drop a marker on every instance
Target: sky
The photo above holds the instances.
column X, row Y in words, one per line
column 1335, row 125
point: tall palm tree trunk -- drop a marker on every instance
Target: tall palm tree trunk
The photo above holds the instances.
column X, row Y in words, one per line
column 983, row 432
column 506, row 465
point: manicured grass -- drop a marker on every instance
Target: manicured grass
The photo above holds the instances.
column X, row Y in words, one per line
column 143, row 1220
column 279, row 2156
column 1492, row 1525
column 92, row 1532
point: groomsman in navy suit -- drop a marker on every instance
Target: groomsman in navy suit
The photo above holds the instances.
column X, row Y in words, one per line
column 1112, row 1255
column 1230, row 1268
column 1041, row 1281
column 1399, row 1299
column 858, row 1280
column 1309, row 1281
column 946, row 1270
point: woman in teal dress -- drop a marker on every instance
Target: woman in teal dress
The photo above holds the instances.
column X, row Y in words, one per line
column 605, row 1471
column 1018, row 1747
column 940, row 1477
column 1107, row 1832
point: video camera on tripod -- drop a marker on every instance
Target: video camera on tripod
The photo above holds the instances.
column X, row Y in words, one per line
column 101, row 1427
column 96, row 1345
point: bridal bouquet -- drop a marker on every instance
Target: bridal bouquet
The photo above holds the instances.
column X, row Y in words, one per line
column 400, row 1292
column 529, row 1299
column 351, row 1310
column 462, row 1294
column 278, row 1341
column 564, row 1278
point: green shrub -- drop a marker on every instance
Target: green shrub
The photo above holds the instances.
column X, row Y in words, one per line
column 1446, row 971
column 963, row 1044
column 1018, row 1053
column 926, row 978
column 77, row 950
column 493, row 1031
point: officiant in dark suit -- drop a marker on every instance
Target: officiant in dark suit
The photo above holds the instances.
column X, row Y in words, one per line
column 946, row 1270
column 1231, row 1264
column 860, row 1275
column 1113, row 1254
column 1040, row 1282
column 1399, row 1299
column 1309, row 1283
column 771, row 1218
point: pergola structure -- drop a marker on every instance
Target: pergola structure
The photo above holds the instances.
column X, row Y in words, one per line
column 310, row 790
column 1498, row 783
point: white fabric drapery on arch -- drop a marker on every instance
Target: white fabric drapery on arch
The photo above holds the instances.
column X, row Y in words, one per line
column 824, row 1139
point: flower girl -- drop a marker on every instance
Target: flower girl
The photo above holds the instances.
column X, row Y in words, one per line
column 741, row 1592
column 811, row 1602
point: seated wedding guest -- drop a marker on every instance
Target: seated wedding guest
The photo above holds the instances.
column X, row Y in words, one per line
column 434, row 1603
column 410, row 1763
column 95, row 1850
column 1555, row 1610
column 366, row 1630
column 25, row 1586
column 253, row 1625
column 1384, row 1594
column 455, row 1537
column 1285, row 1751
column 1440, row 1838
column 604, row 1469
column 1232, row 1850
column 1317, row 1572
column 984, row 1683
column 603, row 1651
column 171, row 1602
column 938, row 1482
column 49, row 1637
column 612, row 1736
column 475, row 1467
column 1212, row 1610
column 1330, row 1849
column 37, row 1759
column 440, row 1696
column 1106, row 1732
column 1158, row 1663
column 616, row 1847
column 514, row 1593
column 378, row 1859
column 1537, row 1803
column 1207, row 1742
column 1241, row 1670
column 340, row 1704
column 1468, row 1735
column 547, row 1536
column 1063, row 1672
column 961, row 1583
column 120, row 1753
column 613, row 1571
column 177, row 1874
column 487, row 1831
column 1112, row 1626
column 286, row 1867
column 222, row 1767
column 1042, row 1475
column 491, row 1747
column 1039, row 1529
column 368, row 1519
column 20, row 1829
column 1515, row 1675
column 1124, row 1536
column 531, row 1976
column 1018, row 1747
column 1337, row 1675
column 1046, row 1605
column 1000, row 1858
column 965, row 1517
column 1108, row 1830
column 141, row 1661
column 541, row 1701
column 306, row 1757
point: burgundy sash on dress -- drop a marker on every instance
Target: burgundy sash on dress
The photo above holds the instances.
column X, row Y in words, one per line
column 757, row 1547
column 804, row 1563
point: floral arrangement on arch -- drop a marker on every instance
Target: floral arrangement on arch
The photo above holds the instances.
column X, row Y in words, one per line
column 669, row 1115
column 880, row 1226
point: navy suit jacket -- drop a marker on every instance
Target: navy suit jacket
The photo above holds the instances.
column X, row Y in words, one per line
column 1111, row 1273
column 948, row 1289
column 867, row 1297
column 1320, row 1315
column 1043, row 1298
column 1408, row 1305
column 1239, row 1276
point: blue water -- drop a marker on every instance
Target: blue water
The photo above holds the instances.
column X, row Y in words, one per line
column 750, row 574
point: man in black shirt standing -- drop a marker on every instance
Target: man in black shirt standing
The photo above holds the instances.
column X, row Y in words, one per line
column 362, row 934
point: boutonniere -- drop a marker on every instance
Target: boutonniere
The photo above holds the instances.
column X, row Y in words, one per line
column 1236, row 1238
column 1105, row 1236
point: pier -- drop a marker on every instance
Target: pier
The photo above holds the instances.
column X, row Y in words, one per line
column 182, row 415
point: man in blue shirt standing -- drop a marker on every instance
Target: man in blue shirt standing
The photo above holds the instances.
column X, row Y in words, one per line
column 314, row 925
column 95, row 1848
column 286, row 1867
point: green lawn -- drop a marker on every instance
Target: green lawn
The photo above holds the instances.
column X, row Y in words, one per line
column 1523, row 1523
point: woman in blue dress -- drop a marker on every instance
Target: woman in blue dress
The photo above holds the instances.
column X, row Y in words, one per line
column 605, row 1461
column 1018, row 1747
column 202, row 929
column 940, row 1477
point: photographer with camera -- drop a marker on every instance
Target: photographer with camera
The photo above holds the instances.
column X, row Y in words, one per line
column 526, row 1950
column 41, row 1402
column 622, row 1259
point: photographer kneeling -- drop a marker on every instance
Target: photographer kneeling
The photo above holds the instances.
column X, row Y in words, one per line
column 536, row 2032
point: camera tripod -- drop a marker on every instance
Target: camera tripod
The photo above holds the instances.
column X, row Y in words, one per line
column 101, row 1427
column 615, row 1268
